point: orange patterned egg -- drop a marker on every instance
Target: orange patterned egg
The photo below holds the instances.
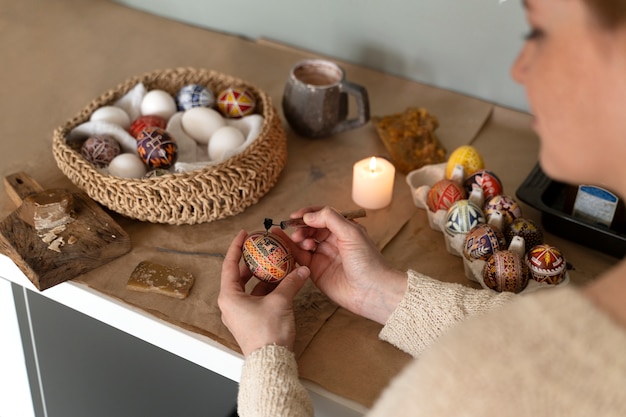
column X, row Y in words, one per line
column 267, row 256
column 443, row 194
column 505, row 270
column 468, row 157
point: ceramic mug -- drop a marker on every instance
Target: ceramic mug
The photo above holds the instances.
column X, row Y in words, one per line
column 315, row 99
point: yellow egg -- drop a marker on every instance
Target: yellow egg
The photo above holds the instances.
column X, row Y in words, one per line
column 468, row 157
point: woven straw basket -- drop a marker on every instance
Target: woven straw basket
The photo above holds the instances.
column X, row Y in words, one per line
column 199, row 196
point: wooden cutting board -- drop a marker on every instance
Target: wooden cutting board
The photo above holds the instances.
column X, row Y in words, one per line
column 51, row 256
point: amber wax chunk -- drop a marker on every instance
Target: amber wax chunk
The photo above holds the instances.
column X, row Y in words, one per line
column 410, row 138
column 161, row 279
column 47, row 209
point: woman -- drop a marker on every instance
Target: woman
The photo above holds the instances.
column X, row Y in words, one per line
column 557, row 352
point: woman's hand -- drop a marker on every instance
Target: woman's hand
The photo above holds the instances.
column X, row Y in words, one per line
column 346, row 265
column 265, row 316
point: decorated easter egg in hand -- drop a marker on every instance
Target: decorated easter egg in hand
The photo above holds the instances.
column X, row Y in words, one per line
column 509, row 208
column 485, row 180
column 100, row 150
column 468, row 157
column 236, row 102
column 194, row 95
column 462, row 216
column 267, row 256
column 546, row 264
column 443, row 194
column 143, row 122
column 526, row 229
column 157, row 148
column 505, row 270
column 482, row 241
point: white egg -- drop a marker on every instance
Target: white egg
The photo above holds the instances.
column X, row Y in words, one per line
column 111, row 114
column 224, row 139
column 127, row 165
column 201, row 122
column 158, row 103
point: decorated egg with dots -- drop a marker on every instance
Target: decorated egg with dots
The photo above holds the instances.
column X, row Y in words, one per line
column 143, row 122
column 485, row 180
column 100, row 150
column 267, row 256
column 462, row 216
column 466, row 156
column 505, row 270
column 443, row 194
column 236, row 102
column 481, row 241
column 526, row 229
column 546, row 264
column 156, row 148
column 509, row 208
column 194, row 95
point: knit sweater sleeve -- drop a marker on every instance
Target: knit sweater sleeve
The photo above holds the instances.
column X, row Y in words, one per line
column 270, row 386
column 430, row 307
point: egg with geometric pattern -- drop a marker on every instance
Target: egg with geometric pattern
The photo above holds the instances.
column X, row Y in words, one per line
column 461, row 217
column 484, row 180
column 267, row 256
column 546, row 264
column 236, row 102
column 481, row 241
column 194, row 95
column 443, row 194
column 509, row 208
column 505, row 270
column 157, row 148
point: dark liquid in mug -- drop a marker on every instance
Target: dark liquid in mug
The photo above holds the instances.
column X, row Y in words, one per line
column 319, row 75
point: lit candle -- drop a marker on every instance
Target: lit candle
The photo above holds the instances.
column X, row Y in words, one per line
column 372, row 183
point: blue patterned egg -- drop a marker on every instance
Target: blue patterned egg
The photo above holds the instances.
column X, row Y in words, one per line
column 462, row 216
column 481, row 241
column 194, row 95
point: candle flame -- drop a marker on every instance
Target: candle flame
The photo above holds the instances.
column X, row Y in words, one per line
column 373, row 164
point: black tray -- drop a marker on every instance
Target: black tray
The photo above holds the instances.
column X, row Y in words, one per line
column 548, row 196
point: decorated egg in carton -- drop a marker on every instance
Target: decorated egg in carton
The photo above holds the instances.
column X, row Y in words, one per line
column 460, row 218
column 479, row 244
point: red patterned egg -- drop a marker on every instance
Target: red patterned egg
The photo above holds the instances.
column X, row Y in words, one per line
column 505, row 270
column 509, row 208
column 157, row 148
column 236, row 102
column 443, row 194
column 100, row 150
column 485, row 180
column 462, row 216
column 526, row 229
column 482, row 241
column 546, row 264
column 267, row 256
column 143, row 122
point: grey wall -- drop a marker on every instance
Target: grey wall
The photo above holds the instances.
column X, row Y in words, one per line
column 463, row 45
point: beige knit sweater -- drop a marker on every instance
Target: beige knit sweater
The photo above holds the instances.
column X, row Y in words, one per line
column 549, row 353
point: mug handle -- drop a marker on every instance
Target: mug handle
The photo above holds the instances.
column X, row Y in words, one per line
column 363, row 107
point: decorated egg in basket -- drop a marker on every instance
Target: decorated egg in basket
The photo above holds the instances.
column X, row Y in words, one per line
column 143, row 122
column 526, row 229
column 156, row 148
column 505, row 270
column 100, row 150
column 194, row 95
column 236, row 102
column 267, row 256
column 443, row 194
column 481, row 241
column 485, row 180
column 461, row 217
column 546, row 264
column 509, row 208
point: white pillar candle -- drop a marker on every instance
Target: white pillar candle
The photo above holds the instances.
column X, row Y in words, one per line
column 372, row 183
